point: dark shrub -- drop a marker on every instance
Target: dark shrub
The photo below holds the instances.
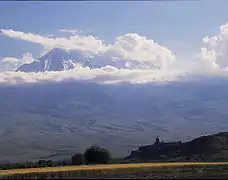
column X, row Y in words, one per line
column 97, row 155
column 77, row 159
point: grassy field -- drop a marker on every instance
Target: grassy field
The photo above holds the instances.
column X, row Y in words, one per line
column 142, row 170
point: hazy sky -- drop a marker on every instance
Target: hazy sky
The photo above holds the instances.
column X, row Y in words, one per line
column 165, row 33
column 178, row 25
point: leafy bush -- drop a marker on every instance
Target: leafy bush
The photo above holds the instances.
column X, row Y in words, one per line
column 97, row 155
column 77, row 159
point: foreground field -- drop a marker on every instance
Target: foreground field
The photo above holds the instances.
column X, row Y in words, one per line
column 143, row 170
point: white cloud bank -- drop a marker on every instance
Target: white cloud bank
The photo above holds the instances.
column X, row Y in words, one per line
column 213, row 59
column 214, row 53
column 102, row 75
column 71, row 31
column 109, row 75
column 129, row 46
column 135, row 47
column 9, row 63
column 77, row 42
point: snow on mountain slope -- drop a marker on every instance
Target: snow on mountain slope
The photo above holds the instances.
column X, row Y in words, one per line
column 59, row 60
column 56, row 60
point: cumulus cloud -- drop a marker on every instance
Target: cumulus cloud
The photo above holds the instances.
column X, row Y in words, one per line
column 214, row 53
column 10, row 60
column 27, row 58
column 129, row 46
column 135, row 47
column 71, row 31
column 76, row 42
column 9, row 63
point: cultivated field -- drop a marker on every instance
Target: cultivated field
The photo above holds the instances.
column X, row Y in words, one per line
column 142, row 170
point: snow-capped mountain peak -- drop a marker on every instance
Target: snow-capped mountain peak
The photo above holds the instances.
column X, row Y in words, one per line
column 59, row 60
column 56, row 60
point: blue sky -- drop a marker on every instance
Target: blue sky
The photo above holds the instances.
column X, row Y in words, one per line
column 177, row 25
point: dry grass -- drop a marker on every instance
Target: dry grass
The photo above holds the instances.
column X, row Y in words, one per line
column 102, row 169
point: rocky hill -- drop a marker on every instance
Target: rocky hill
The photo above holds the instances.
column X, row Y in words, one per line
column 205, row 148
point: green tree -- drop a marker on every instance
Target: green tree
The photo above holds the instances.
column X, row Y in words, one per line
column 78, row 159
column 97, row 155
column 42, row 163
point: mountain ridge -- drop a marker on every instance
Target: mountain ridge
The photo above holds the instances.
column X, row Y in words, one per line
column 58, row 59
column 71, row 116
column 207, row 147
